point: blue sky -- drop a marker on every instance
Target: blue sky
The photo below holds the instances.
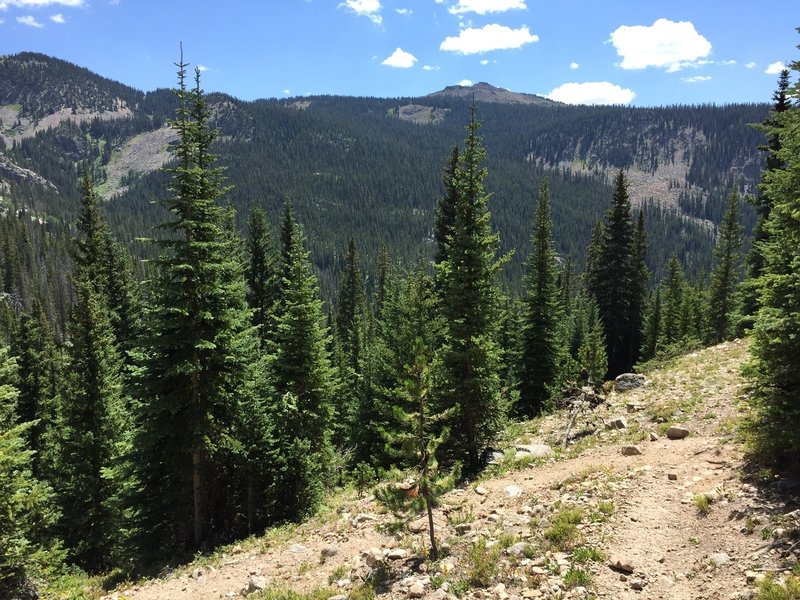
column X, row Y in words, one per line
column 639, row 52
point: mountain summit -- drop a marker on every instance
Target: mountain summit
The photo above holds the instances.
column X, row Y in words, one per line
column 486, row 92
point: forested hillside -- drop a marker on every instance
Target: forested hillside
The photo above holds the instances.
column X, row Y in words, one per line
column 361, row 168
column 333, row 289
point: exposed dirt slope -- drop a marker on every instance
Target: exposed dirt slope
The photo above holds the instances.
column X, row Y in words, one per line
column 509, row 535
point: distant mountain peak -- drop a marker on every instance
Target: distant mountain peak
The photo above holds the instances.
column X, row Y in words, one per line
column 486, row 92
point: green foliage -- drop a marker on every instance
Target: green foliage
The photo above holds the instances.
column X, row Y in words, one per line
column 776, row 350
column 469, row 295
column 482, row 564
column 577, row 577
column 725, row 276
column 262, row 275
column 541, row 343
column 28, row 553
column 616, row 279
column 563, row 533
column 770, row 589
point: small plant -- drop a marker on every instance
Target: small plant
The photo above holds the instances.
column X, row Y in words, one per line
column 586, row 554
column 769, row 589
column 694, row 540
column 750, row 525
column 337, row 574
column 482, row 563
column 304, row 568
column 577, row 578
column 460, row 515
column 459, row 587
column 530, row 551
column 563, row 533
column 506, row 540
column 766, row 533
column 702, row 504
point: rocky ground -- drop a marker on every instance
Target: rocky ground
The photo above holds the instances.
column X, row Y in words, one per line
column 650, row 498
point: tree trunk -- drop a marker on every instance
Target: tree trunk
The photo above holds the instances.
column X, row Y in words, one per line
column 198, row 490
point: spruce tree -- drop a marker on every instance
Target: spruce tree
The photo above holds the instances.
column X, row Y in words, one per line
column 263, row 275
column 592, row 358
column 94, row 419
column 653, row 322
column 541, row 343
column 445, row 209
column 672, row 330
column 469, row 304
column 198, row 348
column 304, row 383
column 615, row 281
column 27, row 552
column 777, row 346
column 725, row 276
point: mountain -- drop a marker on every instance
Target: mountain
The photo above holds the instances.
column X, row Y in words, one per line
column 370, row 168
column 485, row 92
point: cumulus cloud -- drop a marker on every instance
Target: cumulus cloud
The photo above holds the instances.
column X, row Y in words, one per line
column 697, row 79
column 365, row 8
column 465, row 82
column 58, row 18
column 728, row 63
column 29, row 20
column 403, row 11
column 592, row 92
column 485, row 61
column 488, row 38
column 667, row 44
column 483, row 7
column 430, row 68
column 775, row 68
column 4, row 4
column 574, row 66
column 400, row 59
column 287, row 92
column 750, row 65
column 202, row 68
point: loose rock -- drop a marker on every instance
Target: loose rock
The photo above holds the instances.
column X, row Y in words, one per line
column 256, row 584
column 628, row 381
column 622, row 564
column 677, row 433
column 631, row 451
column 617, row 423
column 534, row 450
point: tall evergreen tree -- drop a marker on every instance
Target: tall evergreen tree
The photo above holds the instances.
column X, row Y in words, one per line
column 777, row 346
column 446, row 208
column 94, row 416
column 615, row 281
column 638, row 293
column 672, row 330
column 469, row 299
column 653, row 323
column 28, row 552
column 199, row 345
column 304, row 383
column 351, row 307
column 541, row 343
column 725, row 276
column 263, row 274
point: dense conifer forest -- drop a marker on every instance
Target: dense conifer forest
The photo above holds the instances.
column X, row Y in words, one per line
column 315, row 303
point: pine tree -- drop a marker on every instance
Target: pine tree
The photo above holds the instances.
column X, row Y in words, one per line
column 615, row 279
column 469, row 300
column 673, row 302
column 263, row 275
column 304, row 383
column 199, row 346
column 28, row 552
column 652, row 334
column 94, row 419
column 725, row 276
column 640, row 278
column 445, row 209
column 592, row 358
column 541, row 343
column 777, row 346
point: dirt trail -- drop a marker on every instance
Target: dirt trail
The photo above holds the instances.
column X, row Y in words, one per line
column 640, row 509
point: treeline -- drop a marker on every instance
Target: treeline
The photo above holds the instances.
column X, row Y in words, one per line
column 219, row 396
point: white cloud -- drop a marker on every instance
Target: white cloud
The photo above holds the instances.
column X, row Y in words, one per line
column 29, row 20
column 287, row 92
column 728, row 63
column 202, row 68
column 465, row 82
column 668, row 44
column 697, row 79
column 775, row 68
column 485, row 61
column 404, row 11
column 365, row 8
column 751, row 65
column 59, row 18
column 488, row 38
column 483, row 7
column 430, row 68
column 40, row 3
column 400, row 59
column 592, row 92
column 574, row 66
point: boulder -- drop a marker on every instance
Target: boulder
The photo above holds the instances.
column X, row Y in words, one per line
column 328, row 551
column 630, row 450
column 617, row 423
column 622, row 564
column 628, row 381
column 256, row 584
column 677, row 433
